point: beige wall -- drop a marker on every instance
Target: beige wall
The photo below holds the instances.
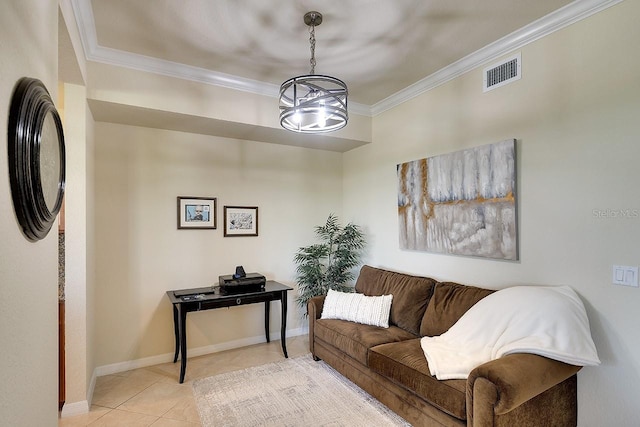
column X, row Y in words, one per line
column 28, row 271
column 575, row 116
column 91, row 302
column 129, row 87
column 141, row 254
column 78, row 123
column 76, row 218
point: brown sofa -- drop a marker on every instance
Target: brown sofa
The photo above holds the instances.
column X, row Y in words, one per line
column 514, row 390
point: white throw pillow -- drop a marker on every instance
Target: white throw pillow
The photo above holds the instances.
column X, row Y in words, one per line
column 358, row 308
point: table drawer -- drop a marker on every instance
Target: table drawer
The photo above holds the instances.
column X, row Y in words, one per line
column 250, row 299
column 230, row 301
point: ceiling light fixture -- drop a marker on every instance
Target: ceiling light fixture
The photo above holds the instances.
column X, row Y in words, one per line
column 313, row 103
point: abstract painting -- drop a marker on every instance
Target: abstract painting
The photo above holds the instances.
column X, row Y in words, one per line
column 461, row 203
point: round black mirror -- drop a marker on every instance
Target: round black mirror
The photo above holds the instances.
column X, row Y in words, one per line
column 36, row 158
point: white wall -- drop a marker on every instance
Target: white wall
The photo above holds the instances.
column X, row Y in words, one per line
column 28, row 271
column 140, row 253
column 575, row 116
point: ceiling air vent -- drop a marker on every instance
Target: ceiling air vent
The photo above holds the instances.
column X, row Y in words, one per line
column 502, row 73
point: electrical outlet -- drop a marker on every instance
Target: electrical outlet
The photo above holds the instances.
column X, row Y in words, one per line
column 625, row 276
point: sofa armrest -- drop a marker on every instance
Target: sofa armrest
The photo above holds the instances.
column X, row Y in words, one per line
column 499, row 386
column 314, row 311
column 314, row 307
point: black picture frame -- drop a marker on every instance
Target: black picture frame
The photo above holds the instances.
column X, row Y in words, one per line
column 36, row 151
column 240, row 221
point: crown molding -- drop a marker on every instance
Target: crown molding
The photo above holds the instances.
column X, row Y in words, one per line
column 94, row 52
column 563, row 17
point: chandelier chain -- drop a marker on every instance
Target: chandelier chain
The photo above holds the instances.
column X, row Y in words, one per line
column 312, row 43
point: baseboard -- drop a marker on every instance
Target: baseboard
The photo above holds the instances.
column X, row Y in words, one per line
column 92, row 386
column 82, row 407
column 116, row 368
column 75, row 408
column 192, row 352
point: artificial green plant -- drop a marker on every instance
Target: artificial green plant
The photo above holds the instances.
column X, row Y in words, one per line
column 330, row 263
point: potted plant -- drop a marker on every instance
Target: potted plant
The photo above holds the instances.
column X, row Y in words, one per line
column 330, row 263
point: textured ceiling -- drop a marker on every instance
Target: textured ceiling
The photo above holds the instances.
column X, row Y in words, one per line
column 378, row 47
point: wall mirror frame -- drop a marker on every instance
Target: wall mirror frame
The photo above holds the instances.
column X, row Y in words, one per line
column 36, row 158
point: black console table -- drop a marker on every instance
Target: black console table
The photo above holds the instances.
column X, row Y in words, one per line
column 198, row 299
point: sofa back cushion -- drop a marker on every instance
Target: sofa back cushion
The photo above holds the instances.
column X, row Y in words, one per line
column 411, row 294
column 448, row 303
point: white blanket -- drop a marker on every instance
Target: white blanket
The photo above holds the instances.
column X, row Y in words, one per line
column 549, row 321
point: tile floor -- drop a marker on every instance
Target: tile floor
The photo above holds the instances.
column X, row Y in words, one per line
column 152, row 396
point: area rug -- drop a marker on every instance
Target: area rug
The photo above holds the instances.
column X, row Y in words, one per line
column 293, row 392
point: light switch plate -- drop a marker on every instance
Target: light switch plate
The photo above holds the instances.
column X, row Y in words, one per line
column 625, row 275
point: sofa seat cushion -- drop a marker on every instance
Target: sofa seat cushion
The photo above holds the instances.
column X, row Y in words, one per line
column 404, row 364
column 356, row 339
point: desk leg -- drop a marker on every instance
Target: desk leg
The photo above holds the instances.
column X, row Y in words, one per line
column 183, row 344
column 267, row 308
column 176, row 332
column 283, row 323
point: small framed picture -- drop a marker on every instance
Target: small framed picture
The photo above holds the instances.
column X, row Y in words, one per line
column 240, row 221
column 197, row 212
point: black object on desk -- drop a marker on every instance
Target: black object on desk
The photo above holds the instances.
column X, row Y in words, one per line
column 198, row 299
column 243, row 283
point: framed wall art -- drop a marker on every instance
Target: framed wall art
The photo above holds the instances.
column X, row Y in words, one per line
column 197, row 213
column 240, row 221
column 461, row 203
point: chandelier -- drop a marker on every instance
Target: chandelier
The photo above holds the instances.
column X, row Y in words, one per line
column 313, row 103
